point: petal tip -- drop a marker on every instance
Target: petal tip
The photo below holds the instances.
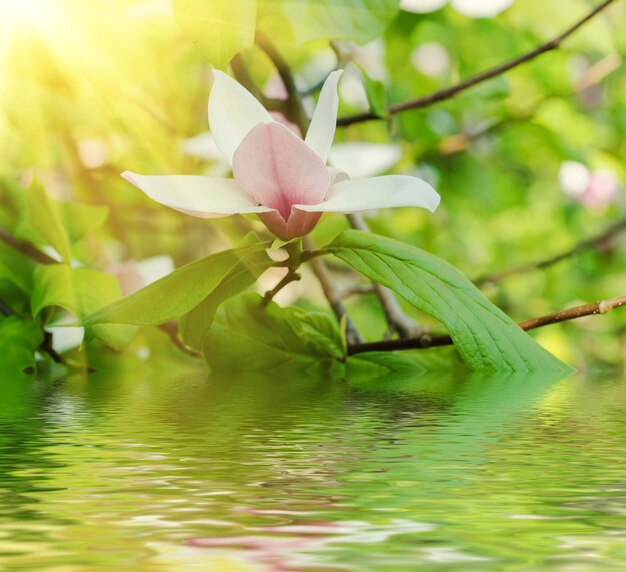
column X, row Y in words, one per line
column 436, row 201
column 129, row 176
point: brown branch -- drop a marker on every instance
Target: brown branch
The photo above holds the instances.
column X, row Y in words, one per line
column 452, row 91
column 430, row 341
column 294, row 109
column 334, row 298
column 47, row 347
column 26, row 248
column 597, row 242
column 244, row 78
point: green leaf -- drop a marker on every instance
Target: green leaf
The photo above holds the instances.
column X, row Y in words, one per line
column 376, row 94
column 177, row 293
column 80, row 219
column 486, row 338
column 220, row 28
column 301, row 21
column 194, row 326
column 41, row 222
column 248, row 336
column 19, row 341
column 80, row 291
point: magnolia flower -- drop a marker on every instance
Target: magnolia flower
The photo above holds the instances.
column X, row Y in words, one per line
column 593, row 189
column 277, row 175
column 359, row 158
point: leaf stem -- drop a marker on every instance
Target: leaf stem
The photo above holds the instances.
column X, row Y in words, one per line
column 291, row 276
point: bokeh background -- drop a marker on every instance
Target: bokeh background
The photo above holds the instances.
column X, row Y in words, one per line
column 528, row 164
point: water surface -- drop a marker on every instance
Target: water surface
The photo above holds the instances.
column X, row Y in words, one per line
column 151, row 471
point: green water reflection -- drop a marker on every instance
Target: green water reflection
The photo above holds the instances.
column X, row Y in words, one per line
column 160, row 471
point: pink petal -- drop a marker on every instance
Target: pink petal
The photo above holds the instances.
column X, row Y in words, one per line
column 300, row 223
column 279, row 170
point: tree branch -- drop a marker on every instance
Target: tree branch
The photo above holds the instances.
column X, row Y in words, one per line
column 452, row 91
column 243, row 77
column 294, row 108
column 430, row 341
column 26, row 248
column 334, row 298
column 594, row 243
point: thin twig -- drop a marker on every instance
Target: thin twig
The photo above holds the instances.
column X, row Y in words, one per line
column 291, row 276
column 452, row 91
column 47, row 347
column 602, row 307
column 430, row 341
column 358, row 290
column 294, row 110
column 244, row 78
column 334, row 298
column 597, row 242
column 171, row 329
column 26, row 248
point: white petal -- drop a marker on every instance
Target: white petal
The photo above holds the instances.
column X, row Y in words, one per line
column 64, row 339
column 320, row 135
column 202, row 146
column 422, row 6
column 377, row 193
column 233, row 112
column 360, row 159
column 204, row 197
column 481, row 8
column 155, row 268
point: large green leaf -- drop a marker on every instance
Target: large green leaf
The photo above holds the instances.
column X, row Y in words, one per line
column 80, row 291
column 248, row 336
column 177, row 293
column 41, row 221
column 301, row 21
column 221, row 28
column 19, row 341
column 194, row 325
column 486, row 338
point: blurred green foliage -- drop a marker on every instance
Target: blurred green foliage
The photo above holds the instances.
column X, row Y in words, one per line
column 89, row 90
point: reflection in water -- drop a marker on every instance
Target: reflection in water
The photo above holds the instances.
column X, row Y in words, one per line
column 164, row 472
